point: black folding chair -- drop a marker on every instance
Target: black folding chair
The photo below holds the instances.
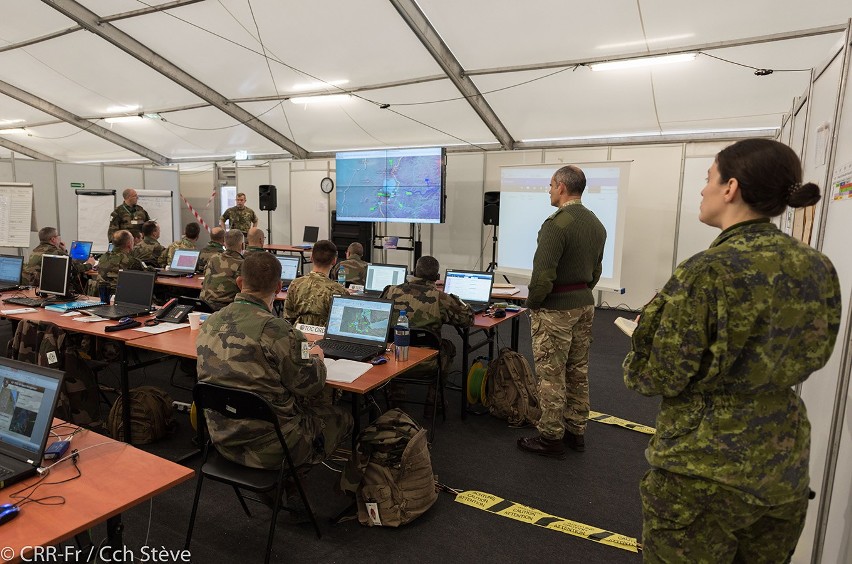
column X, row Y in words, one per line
column 237, row 404
column 426, row 339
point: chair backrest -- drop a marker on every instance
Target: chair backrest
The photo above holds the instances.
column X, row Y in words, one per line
column 234, row 403
column 425, row 338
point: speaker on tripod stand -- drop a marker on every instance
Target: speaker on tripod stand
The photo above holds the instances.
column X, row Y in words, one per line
column 491, row 216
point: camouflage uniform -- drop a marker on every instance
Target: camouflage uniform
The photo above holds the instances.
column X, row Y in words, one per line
column 184, row 243
column 220, row 279
column 110, row 263
column 212, row 249
column 245, row 346
column 32, row 270
column 566, row 266
column 429, row 308
column 309, row 299
column 733, row 330
column 242, row 219
column 252, row 249
column 151, row 252
column 356, row 270
column 127, row 217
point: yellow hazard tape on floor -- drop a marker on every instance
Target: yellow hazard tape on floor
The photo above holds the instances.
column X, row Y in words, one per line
column 611, row 420
column 518, row 512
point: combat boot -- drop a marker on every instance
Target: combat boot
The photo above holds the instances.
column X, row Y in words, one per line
column 552, row 448
column 574, row 442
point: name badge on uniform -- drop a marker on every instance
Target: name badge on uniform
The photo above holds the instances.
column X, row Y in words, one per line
column 306, row 350
column 135, row 221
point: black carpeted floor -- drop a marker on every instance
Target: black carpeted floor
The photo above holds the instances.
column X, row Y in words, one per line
column 598, row 487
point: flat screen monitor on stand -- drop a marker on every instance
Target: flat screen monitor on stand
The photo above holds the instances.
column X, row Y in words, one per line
column 55, row 271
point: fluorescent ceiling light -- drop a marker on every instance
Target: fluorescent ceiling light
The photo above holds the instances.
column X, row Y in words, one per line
column 643, row 62
column 651, row 134
column 333, row 98
column 317, row 85
column 124, row 119
column 13, row 131
column 642, row 42
column 10, row 121
column 121, row 109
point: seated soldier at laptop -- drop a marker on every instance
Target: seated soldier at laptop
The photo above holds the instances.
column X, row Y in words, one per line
column 244, row 345
column 220, row 276
column 188, row 241
column 51, row 244
column 309, row 297
column 149, row 250
column 356, row 267
column 213, row 248
column 119, row 258
column 427, row 307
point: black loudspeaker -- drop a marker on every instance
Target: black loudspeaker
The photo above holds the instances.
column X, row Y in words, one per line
column 267, row 197
column 491, row 209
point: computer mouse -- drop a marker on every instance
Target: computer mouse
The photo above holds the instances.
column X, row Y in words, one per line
column 499, row 313
column 8, row 514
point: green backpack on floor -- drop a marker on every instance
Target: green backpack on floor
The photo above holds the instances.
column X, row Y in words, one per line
column 510, row 389
column 150, row 416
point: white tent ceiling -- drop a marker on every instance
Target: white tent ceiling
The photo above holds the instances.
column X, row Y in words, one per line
column 213, row 66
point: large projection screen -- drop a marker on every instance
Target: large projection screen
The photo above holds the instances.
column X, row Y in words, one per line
column 525, row 204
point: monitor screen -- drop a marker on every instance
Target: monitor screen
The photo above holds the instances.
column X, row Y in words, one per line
column 54, row 274
column 391, row 186
column 381, row 275
column 80, row 250
column 10, row 269
column 184, row 260
column 135, row 287
column 289, row 267
column 470, row 286
column 28, row 395
column 311, row 234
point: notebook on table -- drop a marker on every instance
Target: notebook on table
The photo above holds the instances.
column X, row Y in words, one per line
column 10, row 272
column 381, row 275
column 80, row 250
column 471, row 286
column 290, row 267
column 133, row 293
column 357, row 327
column 28, row 396
column 183, row 263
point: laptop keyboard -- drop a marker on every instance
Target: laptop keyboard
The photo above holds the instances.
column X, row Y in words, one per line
column 27, row 302
column 7, row 288
column 4, row 472
column 342, row 348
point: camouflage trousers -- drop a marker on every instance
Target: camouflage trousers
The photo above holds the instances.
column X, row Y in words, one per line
column 693, row 520
column 560, row 345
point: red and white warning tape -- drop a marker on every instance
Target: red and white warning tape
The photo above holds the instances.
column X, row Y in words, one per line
column 195, row 213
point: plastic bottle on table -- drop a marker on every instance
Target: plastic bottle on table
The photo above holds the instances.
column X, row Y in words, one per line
column 401, row 337
column 341, row 276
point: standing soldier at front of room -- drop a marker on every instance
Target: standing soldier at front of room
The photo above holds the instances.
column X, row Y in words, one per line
column 129, row 215
column 240, row 216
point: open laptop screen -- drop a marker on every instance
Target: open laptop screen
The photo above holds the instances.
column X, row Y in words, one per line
column 184, row 260
column 359, row 317
column 28, row 396
column 470, row 286
column 311, row 234
column 381, row 275
column 80, row 250
column 10, row 270
column 289, row 267
column 134, row 287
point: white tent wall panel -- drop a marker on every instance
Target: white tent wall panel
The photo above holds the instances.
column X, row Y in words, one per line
column 309, row 206
column 7, row 173
column 282, row 216
column 196, row 184
column 161, row 179
column 457, row 241
column 66, row 173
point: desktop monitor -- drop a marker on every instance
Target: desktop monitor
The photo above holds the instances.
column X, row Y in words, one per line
column 10, row 270
column 55, row 270
column 311, row 234
column 80, row 250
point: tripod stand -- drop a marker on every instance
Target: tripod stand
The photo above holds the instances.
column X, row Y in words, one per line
column 492, row 266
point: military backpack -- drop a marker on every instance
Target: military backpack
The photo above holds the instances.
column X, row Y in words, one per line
column 150, row 416
column 510, row 389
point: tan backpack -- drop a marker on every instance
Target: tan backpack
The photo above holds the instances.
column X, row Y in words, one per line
column 150, row 416
column 510, row 389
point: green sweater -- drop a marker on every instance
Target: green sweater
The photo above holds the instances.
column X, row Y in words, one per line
column 570, row 251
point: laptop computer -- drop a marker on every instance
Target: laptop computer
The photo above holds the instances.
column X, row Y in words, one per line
column 10, row 272
column 80, row 250
column 28, row 396
column 310, row 237
column 381, row 275
column 290, row 267
column 183, row 263
column 133, row 293
column 357, row 327
column 471, row 286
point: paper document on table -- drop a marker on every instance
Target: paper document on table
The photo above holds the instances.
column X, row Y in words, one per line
column 19, row 310
column 161, row 328
column 504, row 291
column 627, row 326
column 89, row 318
column 343, row 370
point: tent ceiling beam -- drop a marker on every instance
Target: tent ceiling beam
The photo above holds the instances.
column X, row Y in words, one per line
column 93, row 23
column 18, row 148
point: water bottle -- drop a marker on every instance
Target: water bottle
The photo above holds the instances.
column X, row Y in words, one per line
column 401, row 337
column 341, row 276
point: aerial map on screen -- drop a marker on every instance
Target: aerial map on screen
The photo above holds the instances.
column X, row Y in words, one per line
column 400, row 185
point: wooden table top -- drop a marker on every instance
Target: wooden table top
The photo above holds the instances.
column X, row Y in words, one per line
column 288, row 248
column 115, row 477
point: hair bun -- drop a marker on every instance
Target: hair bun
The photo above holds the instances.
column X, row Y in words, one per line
column 803, row 195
